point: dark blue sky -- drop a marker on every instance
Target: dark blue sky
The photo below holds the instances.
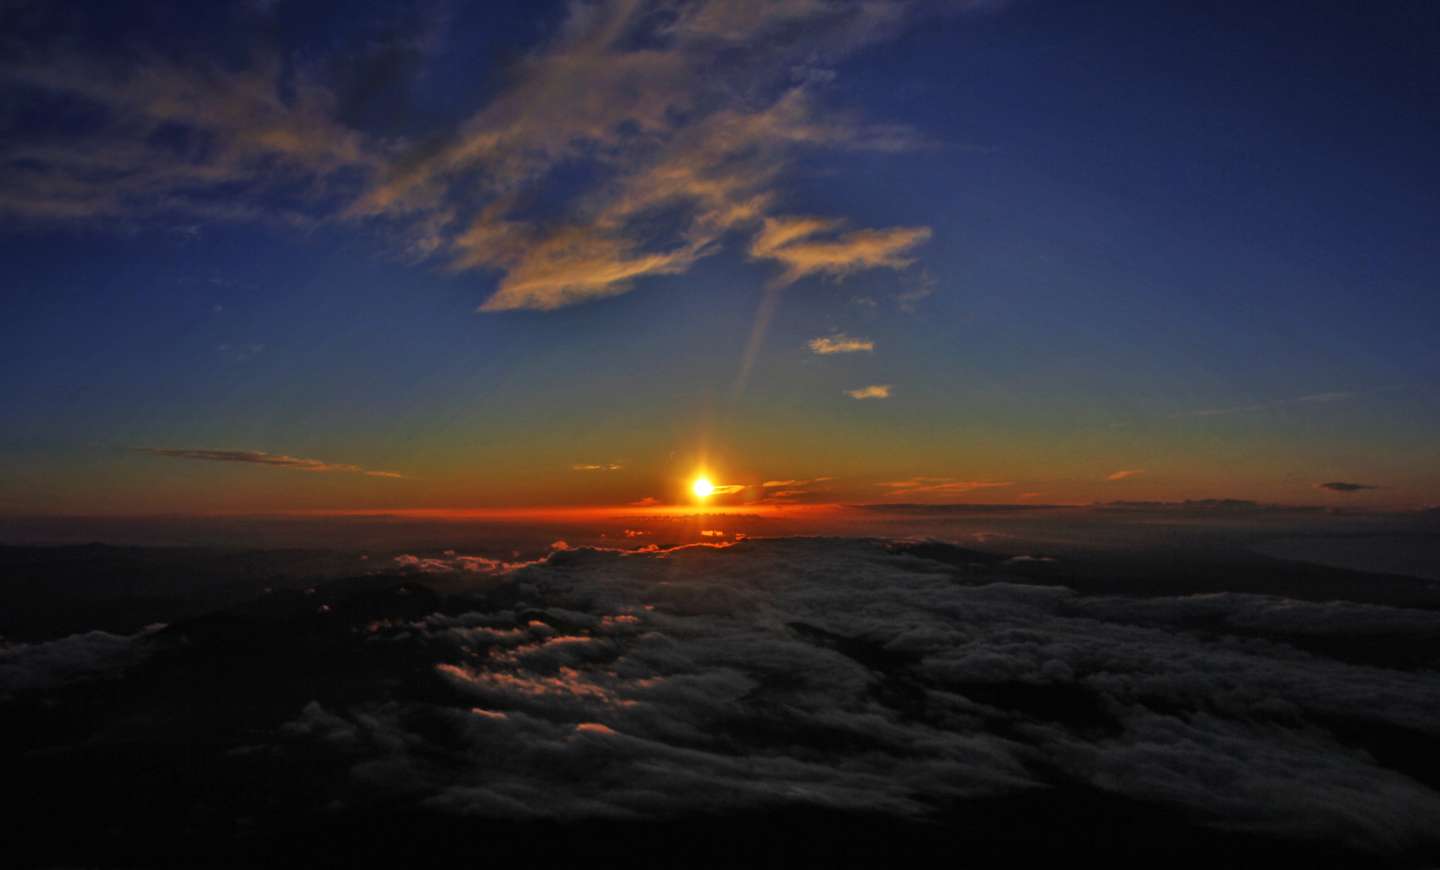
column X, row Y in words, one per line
column 1193, row 241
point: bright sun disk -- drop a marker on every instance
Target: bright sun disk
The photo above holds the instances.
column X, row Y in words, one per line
column 702, row 487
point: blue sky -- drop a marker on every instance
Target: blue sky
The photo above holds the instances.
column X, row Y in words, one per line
column 1188, row 240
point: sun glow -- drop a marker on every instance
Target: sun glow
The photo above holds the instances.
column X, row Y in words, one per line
column 702, row 487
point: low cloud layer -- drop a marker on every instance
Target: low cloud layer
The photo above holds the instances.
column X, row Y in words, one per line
column 846, row 675
column 256, row 457
column 31, row 666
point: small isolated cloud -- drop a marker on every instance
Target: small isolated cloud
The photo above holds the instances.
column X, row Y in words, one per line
column 840, row 343
column 257, row 457
column 608, row 466
column 940, row 485
column 811, row 245
column 1342, row 486
column 874, row 391
column 1127, row 473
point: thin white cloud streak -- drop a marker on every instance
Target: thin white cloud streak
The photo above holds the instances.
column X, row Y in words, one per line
column 1125, row 474
column 275, row 460
column 771, row 484
column 769, row 301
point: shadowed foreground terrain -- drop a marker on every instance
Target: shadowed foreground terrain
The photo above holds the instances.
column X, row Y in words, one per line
column 775, row 702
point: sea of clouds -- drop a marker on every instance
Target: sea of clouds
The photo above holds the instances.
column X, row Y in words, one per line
column 849, row 674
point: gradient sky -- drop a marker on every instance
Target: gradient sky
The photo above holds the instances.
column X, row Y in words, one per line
column 295, row 256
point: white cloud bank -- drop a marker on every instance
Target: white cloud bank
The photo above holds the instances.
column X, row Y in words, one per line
column 841, row 675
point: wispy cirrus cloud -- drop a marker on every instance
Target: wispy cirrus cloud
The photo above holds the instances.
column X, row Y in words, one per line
column 1125, row 474
column 256, row 457
column 940, row 485
column 922, row 289
column 712, row 174
column 874, row 391
column 262, row 126
column 681, row 120
column 792, row 489
column 772, row 484
column 840, row 343
column 607, row 466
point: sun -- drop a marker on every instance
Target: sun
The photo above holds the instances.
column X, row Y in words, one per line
column 702, row 487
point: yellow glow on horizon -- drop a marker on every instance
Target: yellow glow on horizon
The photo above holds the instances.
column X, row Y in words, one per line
column 586, row 513
column 702, row 487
